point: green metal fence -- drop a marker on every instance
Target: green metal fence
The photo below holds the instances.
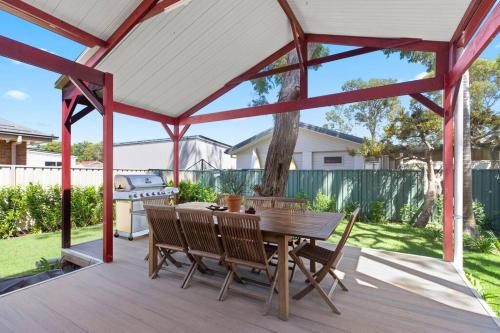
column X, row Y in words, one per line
column 486, row 189
column 395, row 187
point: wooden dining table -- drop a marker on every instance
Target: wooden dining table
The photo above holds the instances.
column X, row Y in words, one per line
column 278, row 226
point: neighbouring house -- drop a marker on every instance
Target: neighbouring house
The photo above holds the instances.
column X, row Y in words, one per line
column 89, row 164
column 14, row 140
column 43, row 158
column 195, row 151
column 317, row 148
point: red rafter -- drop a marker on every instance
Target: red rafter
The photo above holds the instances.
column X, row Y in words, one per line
column 428, row 103
column 142, row 113
column 85, row 111
column 396, row 89
column 184, row 130
column 474, row 15
column 484, row 36
column 36, row 16
column 130, row 22
column 159, row 8
column 169, row 131
column 88, row 94
column 30, row 55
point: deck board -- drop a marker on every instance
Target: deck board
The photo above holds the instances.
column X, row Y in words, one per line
column 389, row 292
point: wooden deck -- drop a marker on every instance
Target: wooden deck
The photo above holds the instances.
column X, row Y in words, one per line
column 389, row 292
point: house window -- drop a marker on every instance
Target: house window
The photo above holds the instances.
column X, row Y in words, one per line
column 52, row 163
column 332, row 160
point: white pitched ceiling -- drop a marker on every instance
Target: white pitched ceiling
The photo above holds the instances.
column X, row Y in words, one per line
column 97, row 17
column 426, row 19
column 171, row 62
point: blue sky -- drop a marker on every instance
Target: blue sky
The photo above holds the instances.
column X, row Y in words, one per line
column 28, row 96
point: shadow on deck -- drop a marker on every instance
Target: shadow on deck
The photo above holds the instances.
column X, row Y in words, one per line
column 389, row 292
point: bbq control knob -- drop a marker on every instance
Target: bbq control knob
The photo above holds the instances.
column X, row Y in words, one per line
column 130, row 196
column 135, row 195
column 147, row 194
column 141, row 195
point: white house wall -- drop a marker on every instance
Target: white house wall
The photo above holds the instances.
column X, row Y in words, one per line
column 310, row 145
column 35, row 158
column 158, row 155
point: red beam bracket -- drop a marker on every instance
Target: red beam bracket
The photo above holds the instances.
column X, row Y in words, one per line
column 428, row 103
column 88, row 94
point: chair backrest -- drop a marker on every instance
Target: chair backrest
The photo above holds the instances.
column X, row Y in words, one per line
column 163, row 222
column 241, row 237
column 292, row 204
column 258, row 202
column 164, row 200
column 200, row 232
column 347, row 233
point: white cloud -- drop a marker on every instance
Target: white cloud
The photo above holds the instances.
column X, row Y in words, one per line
column 420, row 76
column 17, row 95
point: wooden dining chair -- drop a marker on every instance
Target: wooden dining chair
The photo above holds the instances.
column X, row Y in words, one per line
column 202, row 239
column 291, row 204
column 258, row 203
column 167, row 235
column 330, row 261
column 244, row 246
column 164, row 200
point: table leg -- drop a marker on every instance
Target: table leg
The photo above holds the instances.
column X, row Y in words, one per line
column 153, row 254
column 283, row 287
column 312, row 264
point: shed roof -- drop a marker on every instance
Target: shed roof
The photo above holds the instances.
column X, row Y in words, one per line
column 172, row 61
column 12, row 129
column 322, row 130
column 185, row 138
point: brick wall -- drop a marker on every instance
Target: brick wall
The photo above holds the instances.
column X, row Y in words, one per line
column 6, row 153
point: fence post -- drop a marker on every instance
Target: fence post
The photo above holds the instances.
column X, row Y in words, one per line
column 12, row 176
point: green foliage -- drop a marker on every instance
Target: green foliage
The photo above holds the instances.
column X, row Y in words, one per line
column 427, row 59
column 301, row 195
column 437, row 214
column 479, row 214
column 84, row 151
column 350, row 206
column 44, row 265
column 433, row 232
column 38, row 209
column 232, row 182
column 323, row 203
column 376, row 213
column 86, row 206
column 484, row 243
column 408, row 213
column 44, row 206
column 13, row 211
column 476, row 283
column 372, row 114
column 194, row 192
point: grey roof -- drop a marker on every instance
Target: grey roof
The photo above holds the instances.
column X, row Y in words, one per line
column 310, row 127
column 10, row 128
column 186, row 138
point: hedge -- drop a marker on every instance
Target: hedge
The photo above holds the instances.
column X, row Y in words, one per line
column 35, row 208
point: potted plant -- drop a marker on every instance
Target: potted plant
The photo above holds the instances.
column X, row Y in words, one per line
column 232, row 185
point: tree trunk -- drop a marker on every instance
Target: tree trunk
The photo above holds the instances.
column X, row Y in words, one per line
column 469, row 221
column 430, row 194
column 285, row 133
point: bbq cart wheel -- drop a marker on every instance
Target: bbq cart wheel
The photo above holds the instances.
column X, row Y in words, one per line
column 130, row 238
column 116, row 234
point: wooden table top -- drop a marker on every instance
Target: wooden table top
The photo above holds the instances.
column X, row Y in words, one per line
column 315, row 225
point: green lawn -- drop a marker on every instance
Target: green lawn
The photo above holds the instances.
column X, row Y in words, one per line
column 18, row 255
column 403, row 238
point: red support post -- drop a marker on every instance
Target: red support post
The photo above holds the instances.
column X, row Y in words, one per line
column 176, row 139
column 107, row 153
column 448, row 170
column 67, row 109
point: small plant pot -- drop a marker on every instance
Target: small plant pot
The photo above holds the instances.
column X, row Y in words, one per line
column 233, row 203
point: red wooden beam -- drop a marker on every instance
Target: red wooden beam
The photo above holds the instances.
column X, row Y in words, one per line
column 292, row 18
column 107, row 154
column 474, row 15
column 483, row 38
column 88, row 94
column 176, row 155
column 130, row 22
column 142, row 113
column 36, row 16
column 233, row 83
column 422, row 45
column 184, row 130
column 160, row 7
column 390, row 90
column 169, row 131
column 82, row 113
column 428, row 103
column 30, row 55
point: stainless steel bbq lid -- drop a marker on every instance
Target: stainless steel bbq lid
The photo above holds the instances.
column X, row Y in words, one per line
column 137, row 182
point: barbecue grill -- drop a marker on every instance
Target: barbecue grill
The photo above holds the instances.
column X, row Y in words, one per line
column 129, row 192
